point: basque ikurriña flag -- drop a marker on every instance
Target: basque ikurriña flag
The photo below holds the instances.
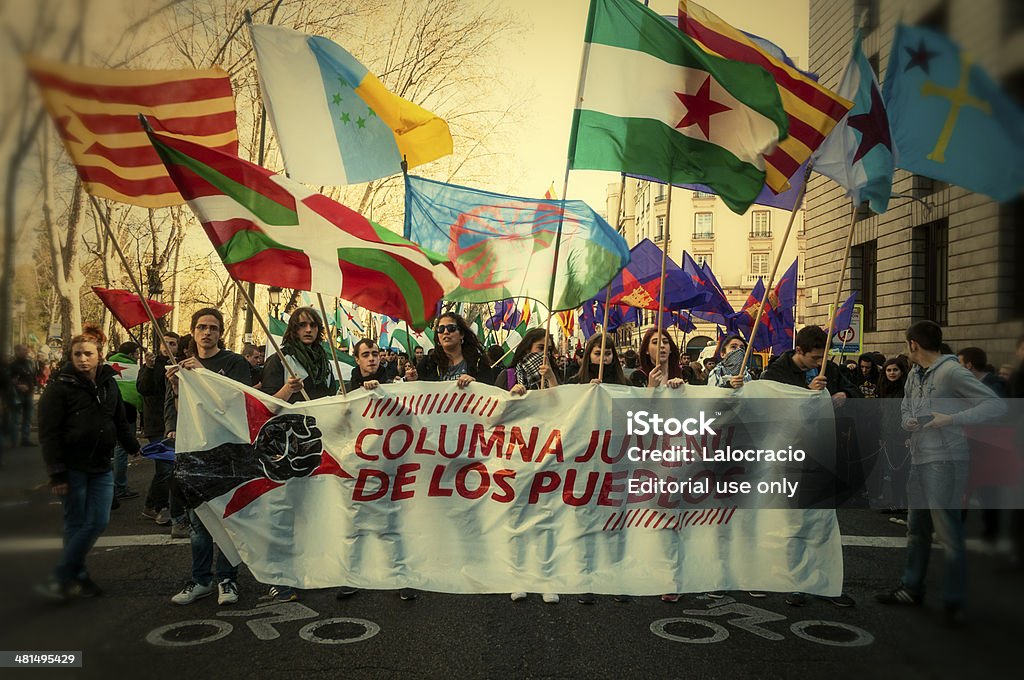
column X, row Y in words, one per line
column 270, row 229
column 504, row 246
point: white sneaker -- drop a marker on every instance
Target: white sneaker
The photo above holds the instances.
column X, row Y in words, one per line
column 550, row 598
column 518, row 596
column 192, row 592
column 227, row 592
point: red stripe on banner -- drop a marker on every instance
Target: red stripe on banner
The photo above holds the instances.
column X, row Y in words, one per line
column 481, row 406
column 696, row 515
column 249, row 492
column 367, row 409
column 429, row 406
column 381, row 406
column 711, row 516
column 469, row 402
column 733, row 49
column 618, row 522
column 650, row 519
column 153, row 186
column 416, row 404
column 731, row 513
column 608, row 521
column 446, row 401
column 493, row 406
column 206, row 125
column 802, row 131
column 673, row 523
column 639, row 519
column 460, row 400
column 158, row 94
column 661, row 517
column 394, row 408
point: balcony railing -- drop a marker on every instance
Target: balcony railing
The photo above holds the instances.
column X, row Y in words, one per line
column 703, row 235
column 761, row 233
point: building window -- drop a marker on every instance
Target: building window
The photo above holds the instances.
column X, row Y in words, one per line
column 702, row 259
column 930, row 282
column 864, row 278
column 659, row 232
column 659, row 196
column 760, row 223
column 703, row 195
column 759, row 264
column 704, row 225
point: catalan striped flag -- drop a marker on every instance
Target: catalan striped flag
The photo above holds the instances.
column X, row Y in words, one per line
column 812, row 109
column 96, row 112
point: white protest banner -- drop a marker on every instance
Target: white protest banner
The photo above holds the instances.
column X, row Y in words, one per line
column 429, row 486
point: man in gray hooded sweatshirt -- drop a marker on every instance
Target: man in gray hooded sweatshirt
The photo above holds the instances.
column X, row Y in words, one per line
column 941, row 397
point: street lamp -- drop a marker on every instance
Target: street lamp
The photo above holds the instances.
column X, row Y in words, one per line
column 274, row 295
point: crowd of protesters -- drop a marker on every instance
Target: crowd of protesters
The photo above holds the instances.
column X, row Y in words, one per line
column 916, row 460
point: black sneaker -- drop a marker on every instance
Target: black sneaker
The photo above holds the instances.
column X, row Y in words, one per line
column 843, row 600
column 796, row 599
column 586, row 598
column 899, row 596
column 622, row 598
column 86, row 587
column 408, row 594
column 345, row 592
column 127, row 494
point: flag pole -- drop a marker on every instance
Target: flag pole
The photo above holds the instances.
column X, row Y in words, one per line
column 330, row 340
column 131, row 277
column 661, row 281
column 263, row 324
column 775, row 270
column 839, row 284
column 608, row 289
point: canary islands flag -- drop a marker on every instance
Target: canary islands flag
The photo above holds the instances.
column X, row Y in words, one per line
column 335, row 122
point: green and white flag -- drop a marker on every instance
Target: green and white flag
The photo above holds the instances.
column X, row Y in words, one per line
column 654, row 104
column 512, row 341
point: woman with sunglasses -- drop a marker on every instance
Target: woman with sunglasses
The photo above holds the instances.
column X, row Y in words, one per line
column 458, row 355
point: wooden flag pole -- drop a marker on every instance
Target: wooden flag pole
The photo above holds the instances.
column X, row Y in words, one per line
column 608, row 290
column 839, row 285
column 263, row 324
column 775, row 269
column 330, row 341
column 131, row 277
column 661, row 283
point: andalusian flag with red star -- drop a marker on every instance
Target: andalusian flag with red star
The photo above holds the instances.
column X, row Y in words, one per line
column 272, row 230
column 653, row 103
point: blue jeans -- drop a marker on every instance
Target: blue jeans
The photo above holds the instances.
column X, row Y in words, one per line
column 21, row 418
column 86, row 515
column 120, row 470
column 202, row 555
column 935, row 492
column 160, row 488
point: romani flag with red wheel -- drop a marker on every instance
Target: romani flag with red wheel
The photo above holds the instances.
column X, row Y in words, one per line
column 271, row 230
column 96, row 111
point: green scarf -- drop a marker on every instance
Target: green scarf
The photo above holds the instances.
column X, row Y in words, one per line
column 313, row 358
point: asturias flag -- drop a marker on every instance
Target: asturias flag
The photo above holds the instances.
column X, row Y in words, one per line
column 504, row 246
column 949, row 119
column 336, row 123
column 654, row 103
column 858, row 153
column 272, row 230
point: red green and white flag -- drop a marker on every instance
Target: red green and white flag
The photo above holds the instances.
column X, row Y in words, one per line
column 272, row 230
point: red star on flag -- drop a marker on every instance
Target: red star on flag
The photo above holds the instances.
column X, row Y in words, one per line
column 699, row 108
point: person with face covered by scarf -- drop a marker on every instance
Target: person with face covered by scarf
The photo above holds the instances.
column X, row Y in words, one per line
column 528, row 368
column 726, row 373
column 302, row 344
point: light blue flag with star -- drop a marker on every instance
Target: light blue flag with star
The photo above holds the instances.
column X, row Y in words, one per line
column 949, row 119
column 858, row 152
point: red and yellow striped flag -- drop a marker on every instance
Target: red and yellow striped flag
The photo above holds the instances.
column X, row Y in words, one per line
column 567, row 320
column 96, row 112
column 812, row 109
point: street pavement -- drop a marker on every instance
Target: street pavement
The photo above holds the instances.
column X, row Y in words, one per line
column 134, row 630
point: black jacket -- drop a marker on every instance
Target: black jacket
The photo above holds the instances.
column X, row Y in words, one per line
column 79, row 423
column 274, row 379
column 152, row 386
column 224, row 362
column 382, row 376
column 785, row 370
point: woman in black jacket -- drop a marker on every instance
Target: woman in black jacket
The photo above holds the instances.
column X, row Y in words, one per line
column 893, row 439
column 458, row 355
column 592, row 360
column 81, row 415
